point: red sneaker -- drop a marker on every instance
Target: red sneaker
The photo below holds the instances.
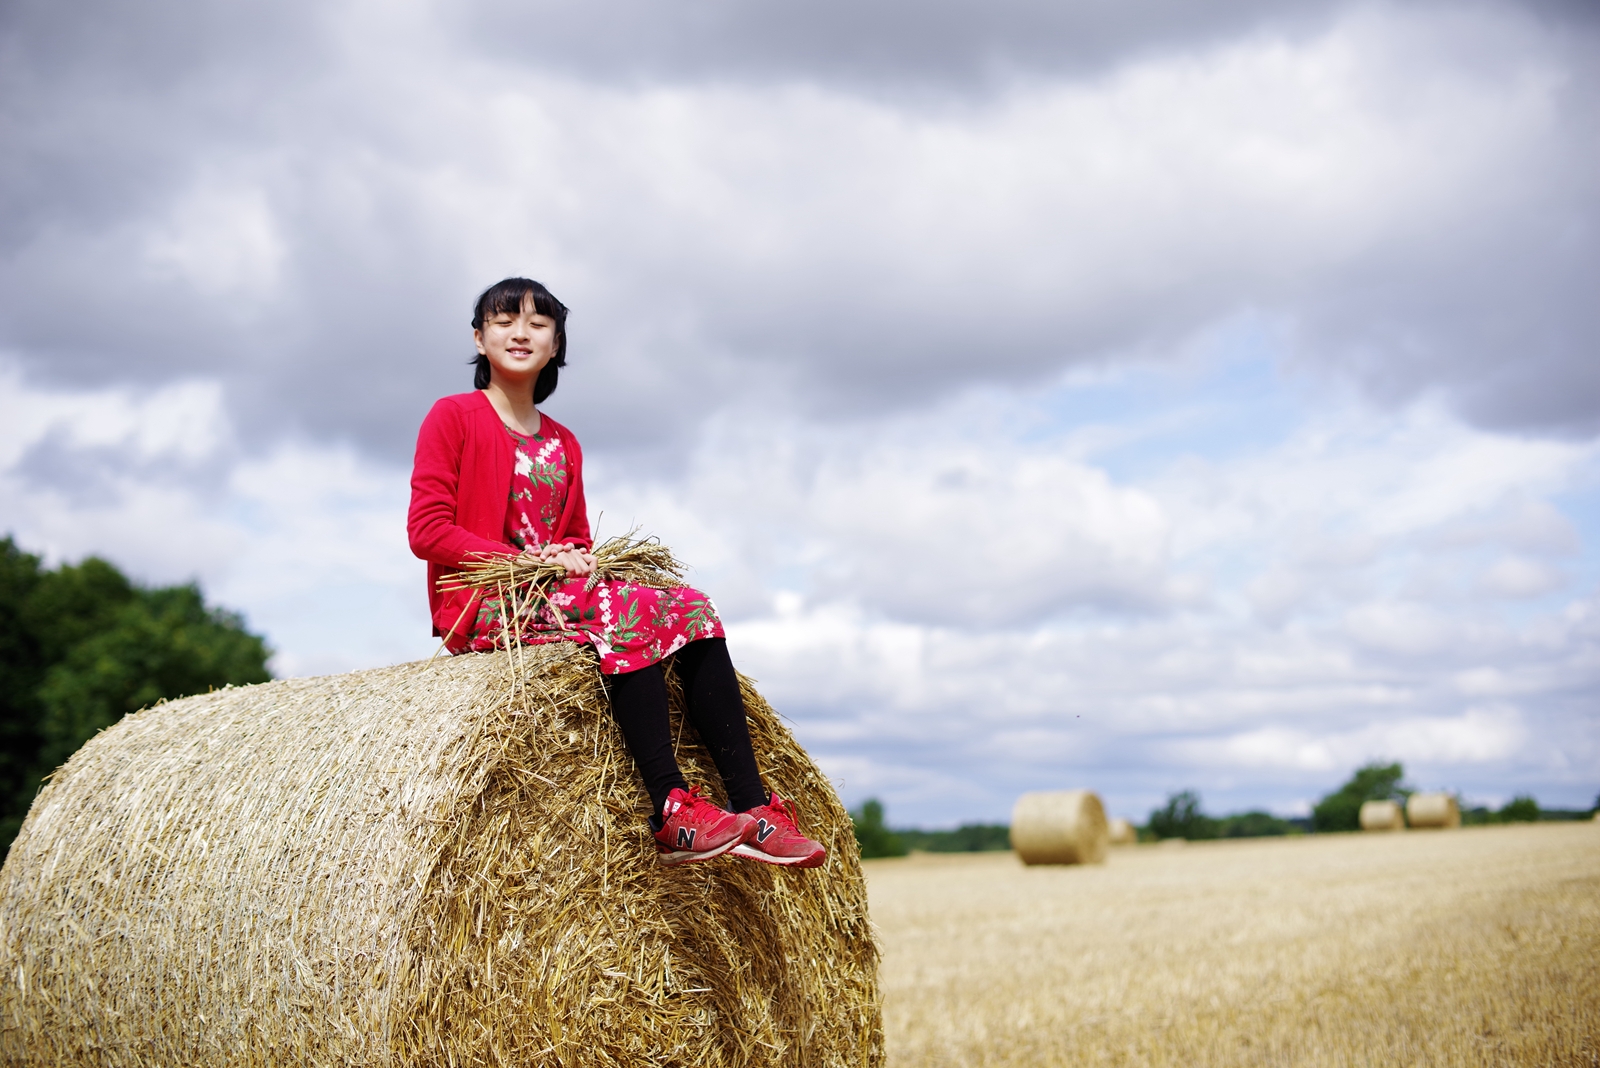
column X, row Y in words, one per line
column 692, row 829
column 777, row 840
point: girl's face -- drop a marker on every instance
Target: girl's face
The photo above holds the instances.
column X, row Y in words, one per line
column 518, row 345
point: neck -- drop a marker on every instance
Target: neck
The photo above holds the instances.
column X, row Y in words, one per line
column 513, row 402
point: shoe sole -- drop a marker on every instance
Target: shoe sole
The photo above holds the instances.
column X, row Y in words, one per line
column 684, row 856
column 813, row 860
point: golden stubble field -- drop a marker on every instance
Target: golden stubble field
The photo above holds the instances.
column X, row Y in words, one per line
column 1478, row 946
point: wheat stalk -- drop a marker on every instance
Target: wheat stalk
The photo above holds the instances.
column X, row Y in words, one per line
column 642, row 561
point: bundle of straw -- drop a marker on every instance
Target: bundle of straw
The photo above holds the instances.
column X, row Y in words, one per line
column 431, row 864
column 522, row 585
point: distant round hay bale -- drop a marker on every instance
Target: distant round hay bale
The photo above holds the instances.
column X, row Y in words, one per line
column 1059, row 827
column 1433, row 811
column 430, row 864
column 1382, row 816
column 1120, row 832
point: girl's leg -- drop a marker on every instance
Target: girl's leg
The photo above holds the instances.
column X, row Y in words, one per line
column 693, row 828
column 711, row 691
column 715, row 707
column 639, row 705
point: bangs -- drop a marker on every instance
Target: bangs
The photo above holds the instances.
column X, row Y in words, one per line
column 507, row 297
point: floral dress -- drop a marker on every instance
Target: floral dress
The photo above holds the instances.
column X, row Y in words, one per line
column 631, row 627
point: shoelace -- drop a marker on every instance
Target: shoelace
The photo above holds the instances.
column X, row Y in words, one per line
column 695, row 801
column 785, row 808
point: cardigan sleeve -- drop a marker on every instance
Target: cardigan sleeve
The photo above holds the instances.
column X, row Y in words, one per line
column 435, row 483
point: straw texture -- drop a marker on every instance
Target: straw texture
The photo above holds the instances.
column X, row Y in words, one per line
column 1382, row 816
column 1437, row 811
column 430, row 864
column 1059, row 827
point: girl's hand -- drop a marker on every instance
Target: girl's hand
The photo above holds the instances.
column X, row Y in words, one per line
column 578, row 562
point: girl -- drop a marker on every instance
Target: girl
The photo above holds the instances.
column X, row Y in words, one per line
column 494, row 475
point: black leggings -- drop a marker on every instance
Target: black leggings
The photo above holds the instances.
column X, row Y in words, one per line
column 712, row 700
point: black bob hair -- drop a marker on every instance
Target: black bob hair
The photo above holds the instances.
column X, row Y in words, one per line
column 506, row 298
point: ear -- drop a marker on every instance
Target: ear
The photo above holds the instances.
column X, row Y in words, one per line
column 477, row 339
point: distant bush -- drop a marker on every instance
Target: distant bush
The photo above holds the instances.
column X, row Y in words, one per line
column 1520, row 809
column 1253, row 825
column 877, row 839
column 968, row 838
column 873, row 835
column 1341, row 810
column 1564, row 815
column 1181, row 817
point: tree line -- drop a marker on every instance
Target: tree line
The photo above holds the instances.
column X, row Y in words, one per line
column 1341, row 809
column 82, row 645
column 1183, row 816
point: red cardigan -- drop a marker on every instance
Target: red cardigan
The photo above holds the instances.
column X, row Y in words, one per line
column 460, row 487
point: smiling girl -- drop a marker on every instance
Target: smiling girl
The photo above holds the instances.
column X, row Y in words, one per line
column 496, row 476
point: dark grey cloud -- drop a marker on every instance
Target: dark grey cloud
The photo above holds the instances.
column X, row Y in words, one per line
column 90, row 478
column 1496, row 316
column 939, row 46
column 353, row 319
column 837, row 211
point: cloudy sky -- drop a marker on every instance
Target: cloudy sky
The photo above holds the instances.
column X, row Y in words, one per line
column 1142, row 396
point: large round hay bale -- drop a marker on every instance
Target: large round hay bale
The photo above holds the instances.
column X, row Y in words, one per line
column 1059, row 827
column 1433, row 811
column 1120, row 832
column 431, row 864
column 1382, row 816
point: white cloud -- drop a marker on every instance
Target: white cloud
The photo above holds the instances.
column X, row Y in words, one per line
column 957, row 604
column 1517, row 577
column 888, row 637
column 1477, row 736
column 219, row 240
column 1372, row 185
column 309, row 541
column 183, row 421
column 811, row 316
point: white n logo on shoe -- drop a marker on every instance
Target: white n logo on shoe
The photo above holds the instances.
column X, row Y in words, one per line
column 686, row 837
column 764, row 830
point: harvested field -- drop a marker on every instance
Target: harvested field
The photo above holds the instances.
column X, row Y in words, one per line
column 1478, row 947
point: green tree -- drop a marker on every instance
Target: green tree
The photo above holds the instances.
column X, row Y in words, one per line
column 81, row 647
column 967, row 838
column 1520, row 809
column 1341, row 810
column 1254, row 824
column 1181, row 817
column 21, row 671
column 872, row 834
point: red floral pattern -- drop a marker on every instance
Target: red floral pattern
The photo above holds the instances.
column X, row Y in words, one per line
column 631, row 627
